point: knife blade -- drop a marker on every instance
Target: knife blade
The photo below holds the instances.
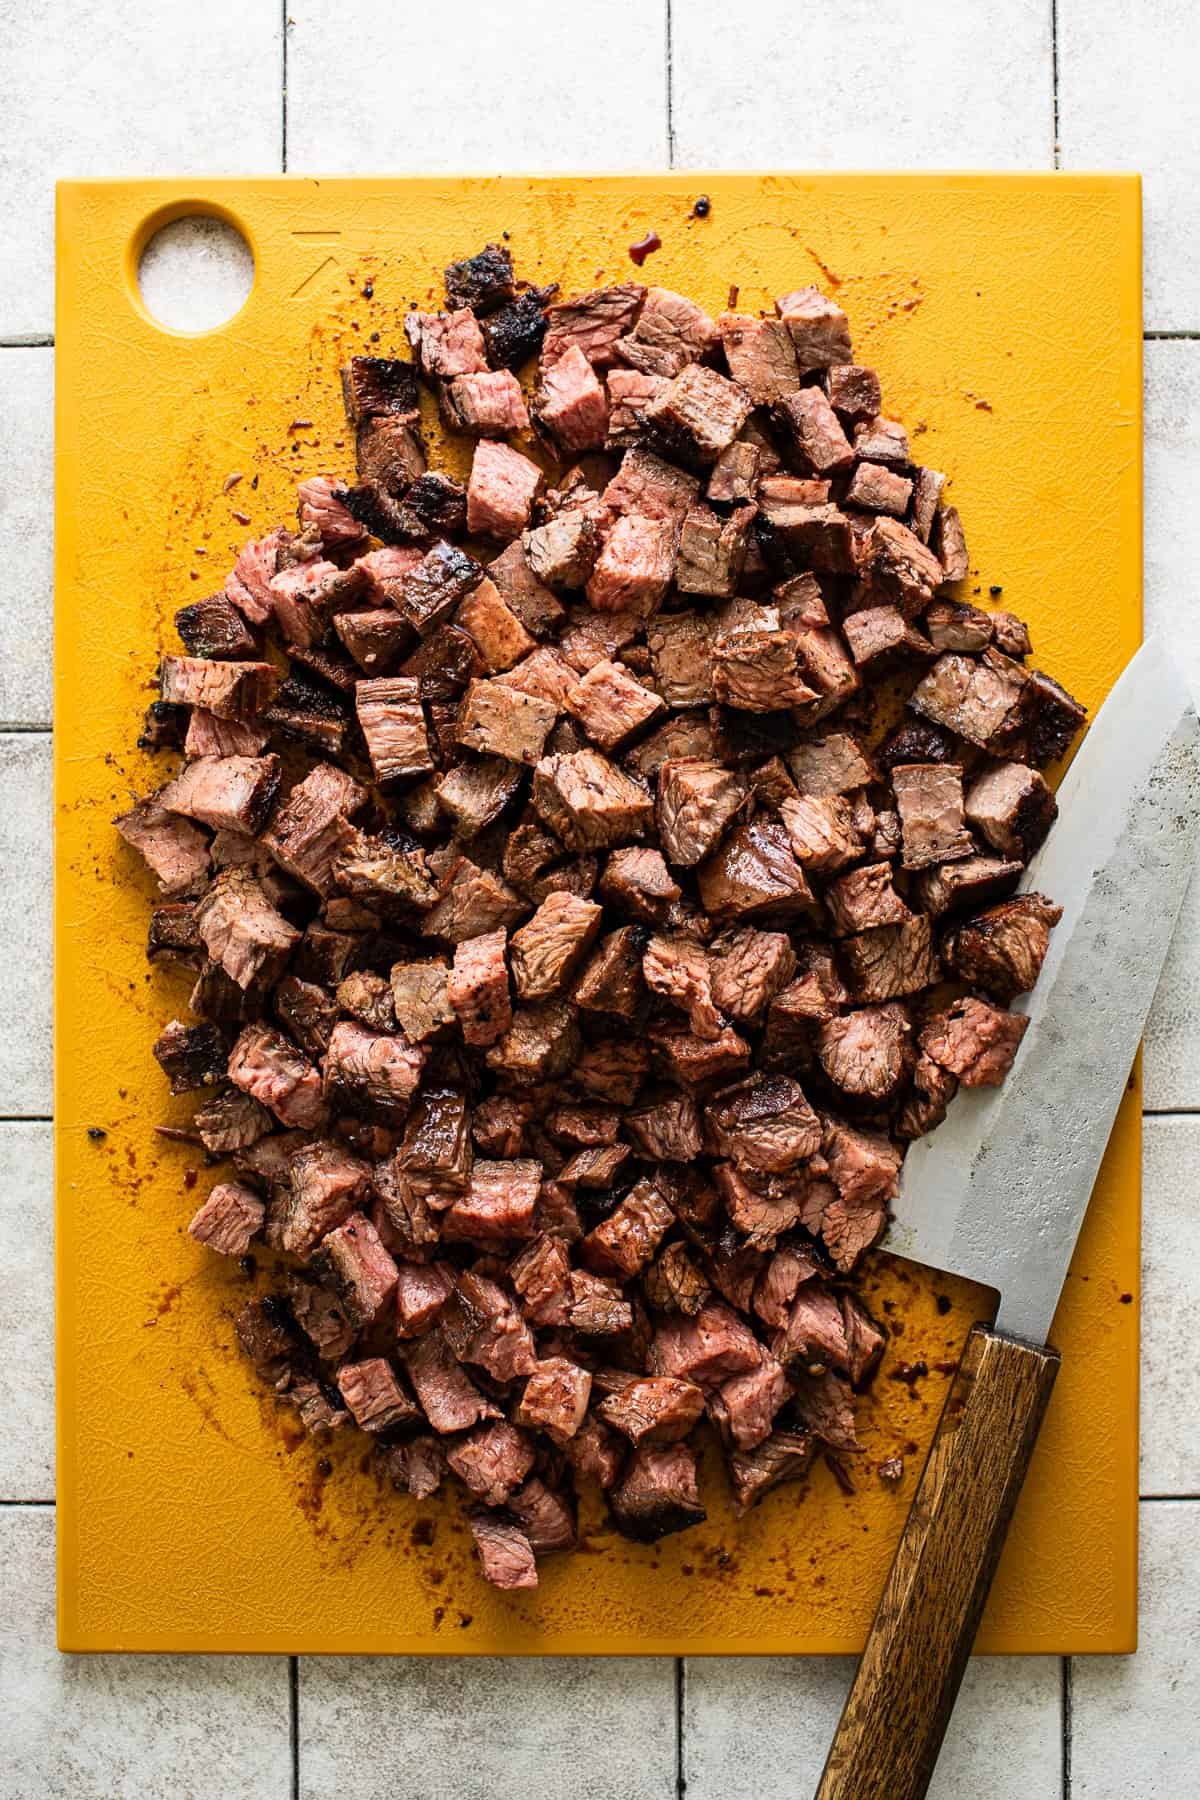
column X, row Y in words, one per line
column 999, row 1191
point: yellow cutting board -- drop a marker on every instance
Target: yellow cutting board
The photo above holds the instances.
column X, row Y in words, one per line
column 1003, row 313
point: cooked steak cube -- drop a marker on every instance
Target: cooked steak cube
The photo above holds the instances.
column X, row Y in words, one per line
column 563, row 552
column 416, row 1466
column 541, row 1275
column 883, row 441
column 806, row 534
column 657, row 1494
column 482, row 282
column 1051, row 718
column 929, row 800
column 547, row 1518
column 975, row 1041
column 612, row 980
column 784, row 1456
column 393, row 724
column 638, row 882
column 657, row 1410
column 854, row 392
column 593, row 322
column 306, row 597
column 448, row 1396
column 166, row 727
column 891, row 960
column 1002, row 950
column 422, row 1290
column 437, row 504
column 978, row 700
column 539, row 1045
column 927, row 493
column 515, row 332
column 230, row 1219
column 863, row 1167
column 323, row 510
column 697, row 416
column 627, row 1240
column 536, row 607
column 694, row 1062
column 421, row 999
column 815, row 433
column 950, row 543
column 214, row 628
column 1011, row 806
column 306, row 711
column 588, row 802
column 764, row 1124
column 611, row 706
column 696, row 803
column 498, row 1206
column 242, row 931
column 372, row 1071
column 927, row 1099
column 874, row 488
column 227, row 793
column 1011, row 635
column 570, row 406
column 866, row 1052
column 952, row 886
column 231, row 1121
column 748, row 969
column 667, row 1130
column 677, row 968
column 247, row 584
column 172, row 849
column 473, row 795
column 555, row 1398
column 367, row 998
column 758, row 668
column 190, row 1056
column 673, row 1284
column 500, row 720
column 267, row 1065
column 705, row 1350
column 375, row 1397
column 754, row 873
column 435, row 1153
column 712, row 551
column 896, row 563
column 629, row 393
column 648, row 486
column 634, row 567
column 375, row 639
column 478, row 988
column 744, row 1407
column 818, row 327
column 493, row 1460
column 830, row 765
column 325, row 1185
column 321, row 1317
column 550, row 946
column 505, row 1553
column 822, row 832
column 379, row 384
column 677, row 739
column 735, row 473
column 437, row 584
column 814, row 1338
column 488, row 403
column 880, row 634
column 954, row 626
column 761, row 356
column 501, row 491
column 378, row 871
column 267, row 1334
column 764, row 1208
column 232, row 690
column 671, row 332
column 473, row 901
column 310, row 829
column 681, row 657
column 446, row 344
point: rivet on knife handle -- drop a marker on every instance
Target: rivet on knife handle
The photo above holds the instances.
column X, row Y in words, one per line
column 903, row 1693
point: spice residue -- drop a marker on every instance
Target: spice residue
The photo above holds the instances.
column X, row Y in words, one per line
column 645, row 247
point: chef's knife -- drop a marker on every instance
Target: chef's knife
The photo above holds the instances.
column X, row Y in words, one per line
column 998, row 1193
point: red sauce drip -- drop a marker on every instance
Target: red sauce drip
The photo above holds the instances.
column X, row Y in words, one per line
column 645, row 247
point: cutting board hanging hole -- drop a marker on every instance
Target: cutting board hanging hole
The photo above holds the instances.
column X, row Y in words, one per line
column 195, row 273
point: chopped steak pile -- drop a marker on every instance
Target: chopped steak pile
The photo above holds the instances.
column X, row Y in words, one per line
column 576, row 944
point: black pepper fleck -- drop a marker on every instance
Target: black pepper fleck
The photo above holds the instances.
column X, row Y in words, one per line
column 96, row 1133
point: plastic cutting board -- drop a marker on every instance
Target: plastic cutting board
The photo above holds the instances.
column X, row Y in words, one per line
column 1003, row 313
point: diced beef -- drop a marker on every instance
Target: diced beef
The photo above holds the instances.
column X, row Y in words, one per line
column 570, row 406
column 680, row 647
column 863, row 1166
column 191, row 1056
column 651, row 488
column 881, row 634
column 694, row 1062
column 555, row 1399
column 763, row 1208
column 629, row 393
column 657, row 1410
column 437, row 584
column 744, row 1407
column 814, row 1337
column 478, row 988
column 435, row 1152
column 707, row 1349
column 448, row 1396
column 546, row 1517
column 375, row 639
column 975, row 1041
column 229, row 1220
column 232, row 690
column 818, row 329
column 473, row 901
column 1002, row 950
column 505, row 1553
column 625, row 1242
column 830, row 765
column 549, row 948
column 748, row 968
column 375, row 1397
column 883, row 441
column 928, row 1097
column 677, row 968
column 776, row 1286
column 231, row 1121
column 227, row 793
column 1049, row 718
column 864, row 1340
column 493, row 1460
column 949, row 540
column 815, row 433
column 697, row 416
column 865, row 898
column 754, row 873
column 761, row 356
column 1011, row 806
column 763, row 1124
column 498, row 1207
column 420, row 998
column 712, row 551
column 678, row 739
column 612, row 706
column 638, row 882
column 212, row 738
column 372, row 1071
column 416, row 1466
column 267, row 1065
column 917, row 741
column 267, row 1334
column 321, row 1316
column 784, row 1456
column 657, row 1494
column 248, row 583
column 866, row 1052
column 929, row 800
column 393, row 724
column 952, row 886
column 534, row 604
column 474, row 794
column 379, row 871
column 541, row 1275
column 310, row 829
column 214, row 628
column 372, row 385
column 875, row 488
column 446, row 344
column 612, row 980
column 822, row 832
column 592, row 323
column 325, row 1186
column 896, row 563
column 324, row 511
column 891, row 960
column 673, row 1284
column 668, row 1129
column 671, row 332
column 488, row 403
column 562, row 553
column 588, row 802
column 735, row 473
column 515, row 332
column 825, row 1406
column 954, row 626
column 854, row 392
column 976, row 699
column 482, row 282
column 501, row 491
column 541, row 1044
column 634, row 567
column 172, row 849
column 927, row 493
column 697, row 801
column 422, row 1290
column 498, row 719
column 1011, row 636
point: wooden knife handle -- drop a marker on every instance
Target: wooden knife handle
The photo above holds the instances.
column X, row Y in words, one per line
column 895, row 1717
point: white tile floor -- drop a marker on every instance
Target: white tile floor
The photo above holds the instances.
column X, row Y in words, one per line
column 176, row 88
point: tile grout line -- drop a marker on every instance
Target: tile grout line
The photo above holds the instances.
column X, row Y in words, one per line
column 1054, row 76
column 294, row 1721
column 1067, row 1723
column 29, row 341
column 26, row 1118
column 680, row 1776
column 283, row 80
column 21, row 728
column 670, row 91
column 27, row 1504
column 1171, row 337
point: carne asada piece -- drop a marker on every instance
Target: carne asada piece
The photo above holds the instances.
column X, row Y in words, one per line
column 822, row 832
column 393, row 724
column 541, row 1044
column 612, row 980
column 754, row 873
column 763, row 1124
column 498, row 1206
column 541, row 1275
column 680, row 647
column 190, row 1056
column 548, row 949
column 172, row 849
column 883, row 441
column 671, row 332
column 501, row 491
column 705, row 1350
column 657, row 1410
column 242, row 931
column 864, row 898
column 381, row 872
column 975, row 1041
column 712, row 551
column 227, row 793
column 497, row 632
column 979, row 700
column 325, row 1186
column 953, row 625
column 505, row 1553
column 881, row 635
column 977, row 879
column 674, row 1284
column 629, row 393
column 611, row 706
column 677, row 968
column 562, row 553
column 784, row 1456
column 697, row 801
column 592, row 322
column 896, row 563
column 667, row 1129
column 374, row 385
column 478, row 988
column 1011, row 636
column 422, row 1290
column 1011, row 806
column 232, row 690
column 761, row 356
column 231, row 1121
column 437, row 584
column 735, row 473
column 448, row 1396
column 854, row 392
column 375, row 639
column 1002, row 950
column 498, row 719
column 230, row 1219
column 555, row 1399
column 322, row 511
column 207, row 736
column 634, row 567
column 891, row 960
column 747, row 969
column 321, row 1317
column 866, row 1052
column 925, row 1104
column 546, row 1517
column 215, row 629
column 637, row 881
column 371, row 1071
column 435, row 1154
column 744, row 1407
column 657, row 1494
column 830, row 765
column 929, row 800
column 534, row 604
column 416, row 1467
column 493, row 1460
column 814, row 431
column 482, row 282
column 267, row 1065
column 624, row 1243
column 514, row 333
column 473, row 901
column 694, row 1062
column 421, row 999
column 375, row 1397
column 570, row 406
column 588, row 802
column 818, row 327
column 310, row 830
column 166, row 727
column 651, row 488
column 874, row 488
column 446, row 344
column 1049, row 718
column 697, row 416
column 949, row 541
column 473, row 795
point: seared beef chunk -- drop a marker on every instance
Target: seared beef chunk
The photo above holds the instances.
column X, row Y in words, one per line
column 563, row 937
